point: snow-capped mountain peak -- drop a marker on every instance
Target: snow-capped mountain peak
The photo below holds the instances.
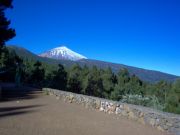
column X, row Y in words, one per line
column 62, row 53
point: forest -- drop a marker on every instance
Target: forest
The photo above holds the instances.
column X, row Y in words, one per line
column 164, row 96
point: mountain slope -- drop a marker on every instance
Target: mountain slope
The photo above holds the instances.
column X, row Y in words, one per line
column 146, row 75
column 26, row 54
column 62, row 53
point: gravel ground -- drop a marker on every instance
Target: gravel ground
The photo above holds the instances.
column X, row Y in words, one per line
column 46, row 115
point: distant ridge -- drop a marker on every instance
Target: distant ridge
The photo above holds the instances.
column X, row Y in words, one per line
column 144, row 74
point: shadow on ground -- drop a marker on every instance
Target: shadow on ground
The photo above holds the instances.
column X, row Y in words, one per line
column 11, row 92
column 10, row 111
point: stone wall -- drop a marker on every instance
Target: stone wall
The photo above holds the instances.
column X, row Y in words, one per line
column 157, row 119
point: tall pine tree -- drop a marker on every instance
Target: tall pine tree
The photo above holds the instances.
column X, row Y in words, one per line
column 6, row 33
column 74, row 79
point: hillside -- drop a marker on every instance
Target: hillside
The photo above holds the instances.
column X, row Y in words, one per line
column 144, row 74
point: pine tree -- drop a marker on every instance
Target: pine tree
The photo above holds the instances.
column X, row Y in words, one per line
column 19, row 70
column 94, row 86
column 4, row 58
column 123, row 76
column 135, row 86
column 121, row 88
column 59, row 80
column 74, row 79
column 108, row 82
column 84, row 78
column 8, row 65
column 6, row 33
column 173, row 98
column 38, row 73
column 162, row 88
column 28, row 67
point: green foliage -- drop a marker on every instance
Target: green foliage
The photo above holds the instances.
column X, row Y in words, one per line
column 176, row 88
column 84, row 78
column 120, row 89
column 145, row 75
column 135, row 85
column 117, row 93
column 108, row 82
column 173, row 98
column 59, row 78
column 93, row 81
column 19, row 70
column 162, row 89
column 4, row 56
column 8, row 65
column 74, row 79
column 38, row 74
column 94, row 84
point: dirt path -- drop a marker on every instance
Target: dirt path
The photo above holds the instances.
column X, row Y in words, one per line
column 45, row 115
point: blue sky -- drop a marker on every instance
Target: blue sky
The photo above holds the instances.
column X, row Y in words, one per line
column 141, row 33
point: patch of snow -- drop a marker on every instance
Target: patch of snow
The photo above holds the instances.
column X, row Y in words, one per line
column 63, row 53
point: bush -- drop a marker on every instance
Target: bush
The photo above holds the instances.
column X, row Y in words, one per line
column 149, row 101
